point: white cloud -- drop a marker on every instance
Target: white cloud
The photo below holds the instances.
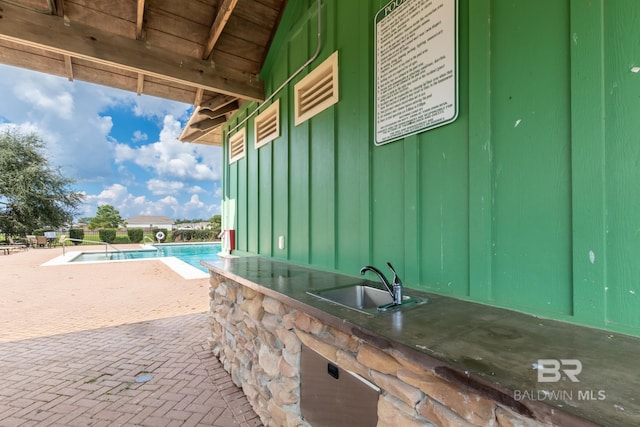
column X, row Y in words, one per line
column 195, row 202
column 130, row 205
column 160, row 188
column 168, row 201
column 171, row 158
column 104, row 124
column 66, row 116
column 151, row 107
column 123, row 153
column 139, row 201
column 196, row 189
column 139, row 136
column 55, row 101
column 195, row 208
column 25, row 128
column 115, row 194
column 70, row 117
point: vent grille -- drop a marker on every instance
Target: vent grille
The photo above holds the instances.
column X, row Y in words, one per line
column 236, row 146
column 267, row 125
column 317, row 91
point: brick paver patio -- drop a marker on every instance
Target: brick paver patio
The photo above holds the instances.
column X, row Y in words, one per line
column 75, row 371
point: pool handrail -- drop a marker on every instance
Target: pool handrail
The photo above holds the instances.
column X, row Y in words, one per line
column 148, row 238
column 106, row 245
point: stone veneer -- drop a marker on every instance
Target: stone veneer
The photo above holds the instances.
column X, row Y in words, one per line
column 258, row 340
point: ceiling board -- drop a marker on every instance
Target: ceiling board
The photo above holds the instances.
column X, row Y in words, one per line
column 96, row 41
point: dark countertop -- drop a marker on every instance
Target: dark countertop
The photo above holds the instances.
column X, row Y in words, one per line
column 490, row 350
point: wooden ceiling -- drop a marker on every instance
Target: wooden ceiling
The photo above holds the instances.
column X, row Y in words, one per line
column 204, row 52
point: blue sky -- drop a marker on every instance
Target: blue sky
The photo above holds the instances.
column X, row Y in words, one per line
column 122, row 149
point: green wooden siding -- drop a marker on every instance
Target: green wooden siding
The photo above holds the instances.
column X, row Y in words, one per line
column 527, row 201
column 530, row 138
column 622, row 161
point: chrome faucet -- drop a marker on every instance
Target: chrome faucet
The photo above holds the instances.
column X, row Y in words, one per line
column 395, row 289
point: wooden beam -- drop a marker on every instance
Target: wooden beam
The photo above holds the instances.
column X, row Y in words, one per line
column 140, row 85
column 198, row 98
column 217, row 102
column 207, row 135
column 37, row 60
column 56, row 7
column 232, row 106
column 47, row 32
column 68, row 67
column 207, row 124
column 53, row 7
column 222, row 17
column 139, row 19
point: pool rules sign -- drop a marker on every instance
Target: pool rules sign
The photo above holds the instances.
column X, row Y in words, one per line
column 416, row 67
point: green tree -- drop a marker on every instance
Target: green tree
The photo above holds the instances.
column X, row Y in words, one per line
column 216, row 225
column 107, row 216
column 33, row 194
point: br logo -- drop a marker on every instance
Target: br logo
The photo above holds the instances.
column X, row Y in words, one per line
column 550, row 370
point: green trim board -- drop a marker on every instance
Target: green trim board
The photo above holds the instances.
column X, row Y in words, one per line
column 480, row 151
column 588, row 158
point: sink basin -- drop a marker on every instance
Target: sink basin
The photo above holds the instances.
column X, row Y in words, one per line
column 365, row 298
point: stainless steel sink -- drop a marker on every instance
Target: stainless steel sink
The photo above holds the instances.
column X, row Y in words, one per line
column 365, row 298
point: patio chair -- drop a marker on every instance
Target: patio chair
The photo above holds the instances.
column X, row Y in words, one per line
column 31, row 240
column 14, row 246
column 8, row 249
column 60, row 240
column 42, row 241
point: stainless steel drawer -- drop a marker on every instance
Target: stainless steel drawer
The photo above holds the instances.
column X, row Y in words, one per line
column 331, row 396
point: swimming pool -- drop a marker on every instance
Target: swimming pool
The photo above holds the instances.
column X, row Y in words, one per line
column 191, row 253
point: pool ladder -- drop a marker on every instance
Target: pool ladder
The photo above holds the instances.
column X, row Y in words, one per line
column 106, row 245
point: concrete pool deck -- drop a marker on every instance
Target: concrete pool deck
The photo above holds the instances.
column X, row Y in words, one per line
column 182, row 268
column 74, row 339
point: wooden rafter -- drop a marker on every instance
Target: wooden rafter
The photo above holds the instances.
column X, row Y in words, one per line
column 205, row 120
column 232, row 106
column 56, row 7
column 140, row 85
column 209, row 124
column 217, row 102
column 139, row 19
column 198, row 98
column 203, row 129
column 26, row 27
column 68, row 66
column 222, row 17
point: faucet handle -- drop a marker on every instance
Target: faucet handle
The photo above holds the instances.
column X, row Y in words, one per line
column 396, row 279
column 397, row 286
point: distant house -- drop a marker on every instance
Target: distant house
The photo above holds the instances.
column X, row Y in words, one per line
column 204, row 225
column 193, row 225
column 148, row 221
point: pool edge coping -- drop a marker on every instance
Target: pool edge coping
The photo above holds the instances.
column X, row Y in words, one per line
column 185, row 270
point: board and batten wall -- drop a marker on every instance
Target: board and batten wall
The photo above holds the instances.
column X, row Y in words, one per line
column 530, row 200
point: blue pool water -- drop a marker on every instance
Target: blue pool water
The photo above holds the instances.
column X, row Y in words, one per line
column 191, row 253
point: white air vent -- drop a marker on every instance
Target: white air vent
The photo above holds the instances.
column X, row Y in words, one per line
column 267, row 125
column 317, row 91
column 236, row 145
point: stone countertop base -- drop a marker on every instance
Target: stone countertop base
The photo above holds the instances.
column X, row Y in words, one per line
column 588, row 376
